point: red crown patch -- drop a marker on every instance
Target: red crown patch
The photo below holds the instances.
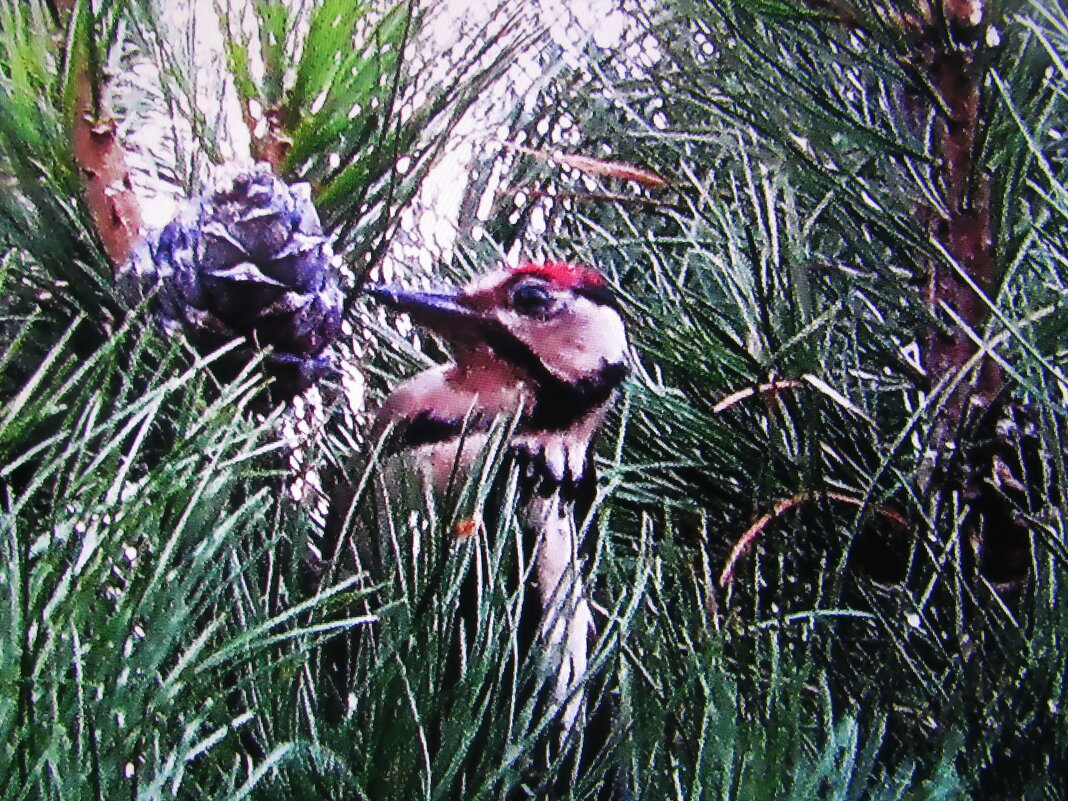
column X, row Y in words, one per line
column 573, row 276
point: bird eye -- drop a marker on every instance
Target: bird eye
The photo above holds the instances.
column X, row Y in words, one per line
column 531, row 300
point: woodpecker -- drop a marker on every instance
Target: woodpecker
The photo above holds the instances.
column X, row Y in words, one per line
column 544, row 344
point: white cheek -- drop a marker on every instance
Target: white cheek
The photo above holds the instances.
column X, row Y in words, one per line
column 607, row 336
column 592, row 336
column 578, row 342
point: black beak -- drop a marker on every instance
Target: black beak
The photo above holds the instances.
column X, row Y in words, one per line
column 441, row 312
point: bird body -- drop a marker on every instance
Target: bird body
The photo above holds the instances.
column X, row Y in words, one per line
column 433, row 408
column 543, row 344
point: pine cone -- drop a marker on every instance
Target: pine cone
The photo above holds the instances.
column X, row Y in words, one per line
column 246, row 259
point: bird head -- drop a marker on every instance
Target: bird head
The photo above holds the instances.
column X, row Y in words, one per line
column 558, row 324
column 547, row 339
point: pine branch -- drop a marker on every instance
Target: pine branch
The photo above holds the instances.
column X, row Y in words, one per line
column 101, row 159
column 109, row 194
column 953, row 63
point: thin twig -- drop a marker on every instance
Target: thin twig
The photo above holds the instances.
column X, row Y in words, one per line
column 770, row 389
column 593, row 197
column 595, row 166
column 747, row 539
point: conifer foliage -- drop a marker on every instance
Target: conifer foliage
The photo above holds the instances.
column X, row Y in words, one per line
column 827, row 549
column 845, row 296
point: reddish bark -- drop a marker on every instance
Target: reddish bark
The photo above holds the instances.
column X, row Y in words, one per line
column 272, row 143
column 965, row 12
column 988, row 470
column 964, row 228
column 976, row 411
column 101, row 160
column 105, row 176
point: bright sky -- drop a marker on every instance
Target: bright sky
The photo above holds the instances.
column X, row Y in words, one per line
column 571, row 24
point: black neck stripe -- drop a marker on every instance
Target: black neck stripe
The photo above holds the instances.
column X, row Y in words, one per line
column 518, row 353
column 557, row 403
column 561, row 406
column 425, row 429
